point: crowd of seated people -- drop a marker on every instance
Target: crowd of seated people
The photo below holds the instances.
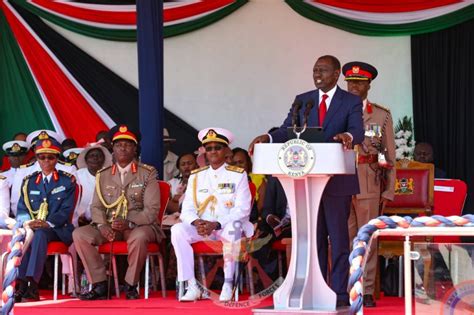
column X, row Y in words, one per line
column 42, row 170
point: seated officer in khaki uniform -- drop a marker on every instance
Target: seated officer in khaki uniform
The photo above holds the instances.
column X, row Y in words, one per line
column 216, row 206
column 376, row 158
column 124, row 207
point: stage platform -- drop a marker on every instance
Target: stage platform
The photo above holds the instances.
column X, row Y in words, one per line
column 159, row 305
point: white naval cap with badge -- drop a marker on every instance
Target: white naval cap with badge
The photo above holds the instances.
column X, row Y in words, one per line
column 43, row 134
column 15, row 147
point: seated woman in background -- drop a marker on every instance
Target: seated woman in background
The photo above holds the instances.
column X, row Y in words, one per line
column 186, row 163
column 242, row 159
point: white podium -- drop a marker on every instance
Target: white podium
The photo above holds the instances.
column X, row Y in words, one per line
column 304, row 290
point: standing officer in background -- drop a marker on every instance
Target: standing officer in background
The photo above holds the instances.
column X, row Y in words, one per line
column 376, row 160
column 216, row 206
column 46, row 205
column 124, row 207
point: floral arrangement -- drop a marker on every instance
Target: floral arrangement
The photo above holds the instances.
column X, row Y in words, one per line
column 404, row 139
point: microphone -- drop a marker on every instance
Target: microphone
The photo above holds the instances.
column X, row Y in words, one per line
column 309, row 106
column 295, row 121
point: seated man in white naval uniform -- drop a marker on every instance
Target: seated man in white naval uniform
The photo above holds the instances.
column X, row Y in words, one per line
column 216, row 206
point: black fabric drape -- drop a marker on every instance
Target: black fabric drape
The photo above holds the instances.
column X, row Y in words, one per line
column 117, row 97
column 443, row 96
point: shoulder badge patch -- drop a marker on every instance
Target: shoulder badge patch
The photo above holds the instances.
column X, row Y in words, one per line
column 2, row 177
column 234, row 169
column 146, row 166
column 199, row 169
column 27, row 165
column 104, row 168
column 64, row 163
column 381, row 107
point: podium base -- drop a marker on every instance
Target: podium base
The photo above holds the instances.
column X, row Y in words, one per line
column 271, row 310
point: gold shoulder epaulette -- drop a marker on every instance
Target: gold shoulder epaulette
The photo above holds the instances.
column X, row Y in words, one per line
column 2, row 177
column 27, row 165
column 104, row 168
column 233, row 168
column 199, row 169
column 65, row 173
column 148, row 167
column 64, row 163
column 31, row 175
column 381, row 107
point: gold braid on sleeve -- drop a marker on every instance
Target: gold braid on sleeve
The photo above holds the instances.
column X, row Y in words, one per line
column 39, row 214
column 202, row 207
column 120, row 205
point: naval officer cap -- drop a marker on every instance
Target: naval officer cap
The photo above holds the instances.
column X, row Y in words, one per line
column 361, row 71
column 72, row 154
column 43, row 134
column 215, row 134
column 15, row 147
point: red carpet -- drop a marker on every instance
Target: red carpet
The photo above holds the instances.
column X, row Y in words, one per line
column 158, row 305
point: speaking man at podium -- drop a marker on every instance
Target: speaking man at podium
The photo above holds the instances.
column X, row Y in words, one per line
column 339, row 113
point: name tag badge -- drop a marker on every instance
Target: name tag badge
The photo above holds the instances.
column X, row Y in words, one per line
column 34, row 192
column 226, row 188
column 136, row 185
column 203, row 190
column 58, row 190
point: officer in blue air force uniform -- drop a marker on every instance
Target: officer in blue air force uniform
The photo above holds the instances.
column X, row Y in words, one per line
column 46, row 205
column 216, row 206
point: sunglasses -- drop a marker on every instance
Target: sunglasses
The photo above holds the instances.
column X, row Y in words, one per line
column 42, row 157
column 217, row 147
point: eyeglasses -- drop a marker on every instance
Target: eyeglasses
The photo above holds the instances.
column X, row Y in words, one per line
column 217, row 147
column 42, row 157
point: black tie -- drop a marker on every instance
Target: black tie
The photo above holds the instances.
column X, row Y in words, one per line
column 46, row 183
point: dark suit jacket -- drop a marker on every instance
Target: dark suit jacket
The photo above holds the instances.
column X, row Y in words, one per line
column 275, row 202
column 60, row 196
column 344, row 115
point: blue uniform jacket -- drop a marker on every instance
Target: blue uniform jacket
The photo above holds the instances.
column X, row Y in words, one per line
column 60, row 195
column 344, row 115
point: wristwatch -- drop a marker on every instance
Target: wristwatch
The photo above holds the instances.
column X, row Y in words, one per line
column 131, row 225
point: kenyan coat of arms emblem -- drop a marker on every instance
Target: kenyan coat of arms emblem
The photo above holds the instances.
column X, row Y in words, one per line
column 296, row 158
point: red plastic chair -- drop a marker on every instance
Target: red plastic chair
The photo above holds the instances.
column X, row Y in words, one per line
column 120, row 247
column 449, row 198
column 214, row 248
column 57, row 248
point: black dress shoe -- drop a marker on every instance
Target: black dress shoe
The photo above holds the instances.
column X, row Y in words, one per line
column 342, row 303
column 31, row 295
column 19, row 295
column 369, row 300
column 132, row 292
column 98, row 292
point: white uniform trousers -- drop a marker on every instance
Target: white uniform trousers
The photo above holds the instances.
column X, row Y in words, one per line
column 183, row 235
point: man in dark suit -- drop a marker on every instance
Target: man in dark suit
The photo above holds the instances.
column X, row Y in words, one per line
column 46, row 205
column 339, row 113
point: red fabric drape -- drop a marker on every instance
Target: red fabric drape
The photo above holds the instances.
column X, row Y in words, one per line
column 387, row 6
column 129, row 18
column 76, row 117
column 204, row 6
column 107, row 17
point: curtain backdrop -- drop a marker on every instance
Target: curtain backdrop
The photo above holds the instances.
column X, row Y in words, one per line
column 443, row 93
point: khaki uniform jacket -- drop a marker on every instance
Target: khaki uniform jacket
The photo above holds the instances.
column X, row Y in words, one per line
column 377, row 118
column 141, row 190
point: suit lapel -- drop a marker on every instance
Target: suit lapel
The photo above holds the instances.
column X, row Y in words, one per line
column 313, row 119
column 336, row 103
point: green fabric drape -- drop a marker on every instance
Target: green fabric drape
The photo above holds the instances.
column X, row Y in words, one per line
column 22, row 107
column 370, row 29
column 130, row 35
